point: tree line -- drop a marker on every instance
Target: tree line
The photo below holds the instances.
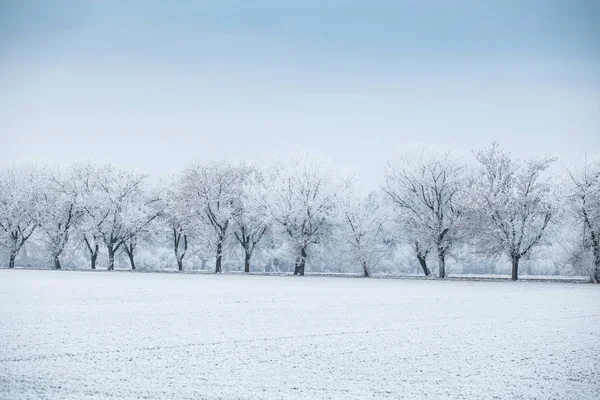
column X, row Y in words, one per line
column 434, row 203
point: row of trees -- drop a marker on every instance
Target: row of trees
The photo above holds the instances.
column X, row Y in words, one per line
column 494, row 205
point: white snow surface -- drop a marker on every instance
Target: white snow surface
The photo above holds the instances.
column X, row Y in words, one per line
column 76, row 335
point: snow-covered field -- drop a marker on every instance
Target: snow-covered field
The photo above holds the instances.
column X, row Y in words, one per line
column 126, row 335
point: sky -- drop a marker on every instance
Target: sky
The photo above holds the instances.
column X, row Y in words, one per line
column 156, row 85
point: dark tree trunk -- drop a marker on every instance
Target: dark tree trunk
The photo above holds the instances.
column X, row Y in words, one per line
column 177, row 235
column 365, row 269
column 515, row 268
column 93, row 252
column 596, row 248
column 302, row 261
column 94, row 257
column 131, row 261
column 219, row 256
column 14, row 250
column 130, row 250
column 56, row 263
column 442, row 263
column 247, row 262
column 423, row 262
column 111, row 257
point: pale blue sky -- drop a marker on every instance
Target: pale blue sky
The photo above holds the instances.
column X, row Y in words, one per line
column 154, row 85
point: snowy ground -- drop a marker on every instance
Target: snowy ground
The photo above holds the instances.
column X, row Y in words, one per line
column 90, row 335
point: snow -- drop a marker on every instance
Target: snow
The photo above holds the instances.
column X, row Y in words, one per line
column 69, row 334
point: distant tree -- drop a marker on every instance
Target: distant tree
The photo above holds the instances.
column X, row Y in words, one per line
column 362, row 227
column 59, row 210
column 139, row 213
column 584, row 193
column 423, row 187
column 302, row 201
column 251, row 221
column 511, row 207
column 177, row 217
column 112, row 208
column 19, row 213
column 212, row 191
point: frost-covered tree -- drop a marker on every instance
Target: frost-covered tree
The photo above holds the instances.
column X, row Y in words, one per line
column 112, row 206
column 177, row 217
column 585, row 198
column 511, row 207
column 19, row 213
column 251, row 220
column 59, row 210
column 212, row 191
column 423, row 187
column 363, row 227
column 302, row 201
column 140, row 213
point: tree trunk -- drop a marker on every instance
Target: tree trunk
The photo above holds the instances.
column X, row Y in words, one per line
column 423, row 262
column 365, row 269
column 297, row 266
column 130, row 255
column 597, row 263
column 302, row 261
column 93, row 253
column 247, row 262
column 178, row 254
column 219, row 256
column 515, row 268
column 11, row 262
column 56, row 262
column 442, row 263
column 94, row 257
column 111, row 258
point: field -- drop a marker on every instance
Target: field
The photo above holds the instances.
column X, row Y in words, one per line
column 67, row 334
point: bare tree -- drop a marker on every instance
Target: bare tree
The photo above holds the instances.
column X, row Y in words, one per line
column 510, row 206
column 59, row 210
column 302, row 202
column 140, row 212
column 212, row 191
column 423, row 187
column 19, row 216
column 585, row 197
column 110, row 201
column 177, row 217
column 251, row 219
column 363, row 220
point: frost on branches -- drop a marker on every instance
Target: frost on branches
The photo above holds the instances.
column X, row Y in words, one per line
column 584, row 193
column 432, row 211
column 177, row 218
column 117, row 209
column 302, row 201
column 511, row 206
column 60, row 210
column 212, row 192
column 18, row 209
column 363, row 230
column 251, row 221
column 423, row 186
